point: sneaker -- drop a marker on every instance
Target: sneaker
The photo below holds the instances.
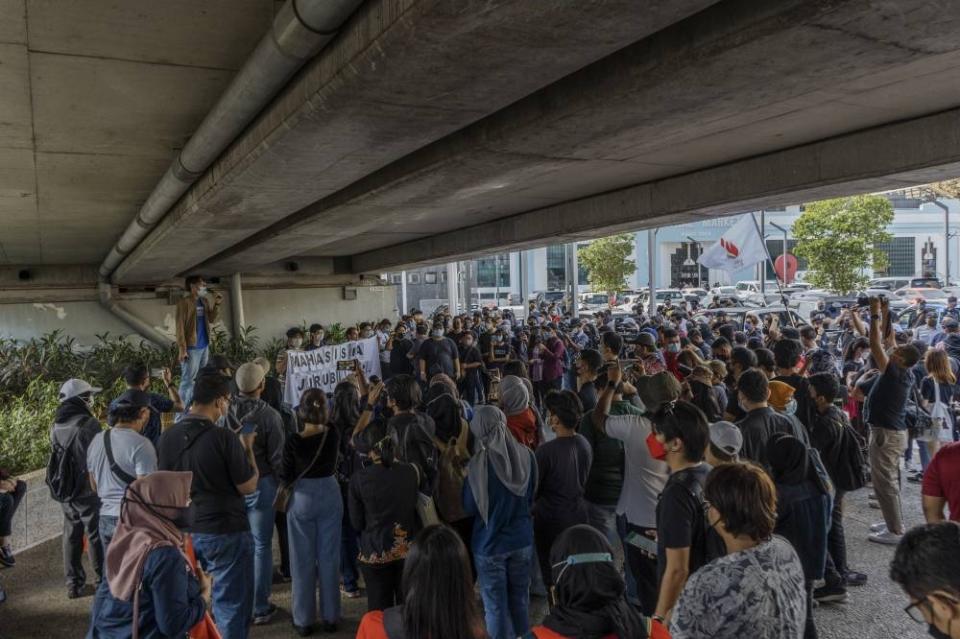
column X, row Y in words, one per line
column 915, row 479
column 6, row 556
column 854, row 578
column 830, row 594
column 263, row 618
column 874, row 504
column 886, row 537
column 880, row 526
column 329, row 627
column 74, row 592
column 303, row 631
column 350, row 594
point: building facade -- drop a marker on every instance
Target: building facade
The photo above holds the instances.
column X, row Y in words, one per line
column 919, row 231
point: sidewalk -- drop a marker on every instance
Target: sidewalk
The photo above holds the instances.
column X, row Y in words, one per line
column 37, row 605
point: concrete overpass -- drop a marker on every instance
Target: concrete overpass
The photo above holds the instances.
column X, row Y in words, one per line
column 398, row 132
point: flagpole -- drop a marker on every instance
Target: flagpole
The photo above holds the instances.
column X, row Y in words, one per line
column 766, row 251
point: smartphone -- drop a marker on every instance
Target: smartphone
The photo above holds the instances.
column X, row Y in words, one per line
column 247, row 428
column 156, row 372
column 642, row 542
column 345, row 365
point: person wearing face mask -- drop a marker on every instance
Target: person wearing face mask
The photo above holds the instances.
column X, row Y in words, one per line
column 756, row 588
column 721, row 349
column 196, row 312
column 118, row 456
column 563, row 465
column 783, row 399
column 399, row 346
column 74, row 428
column 438, row 355
column 317, row 337
column 471, row 361
column 926, row 565
column 294, row 343
column 149, row 579
column 224, row 471
column 644, row 473
column 760, row 422
column 685, row 543
column 671, row 351
column 928, row 331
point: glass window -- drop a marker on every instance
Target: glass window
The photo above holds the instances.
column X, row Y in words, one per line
column 413, row 278
column 901, row 256
column 488, row 268
column 396, row 278
column 430, row 278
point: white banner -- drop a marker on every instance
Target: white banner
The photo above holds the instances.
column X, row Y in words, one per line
column 738, row 248
column 326, row 366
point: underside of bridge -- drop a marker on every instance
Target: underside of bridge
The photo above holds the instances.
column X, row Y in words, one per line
column 427, row 130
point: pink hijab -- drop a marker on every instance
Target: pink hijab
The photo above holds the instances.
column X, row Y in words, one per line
column 142, row 529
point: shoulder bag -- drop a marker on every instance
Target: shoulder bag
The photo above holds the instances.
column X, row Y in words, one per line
column 282, row 501
column 118, row 472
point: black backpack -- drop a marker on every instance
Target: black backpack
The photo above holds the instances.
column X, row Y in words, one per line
column 66, row 476
column 852, row 471
column 712, row 545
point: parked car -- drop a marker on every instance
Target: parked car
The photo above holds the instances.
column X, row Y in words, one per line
column 738, row 314
column 594, row 301
column 907, row 317
column 909, row 293
column 674, row 294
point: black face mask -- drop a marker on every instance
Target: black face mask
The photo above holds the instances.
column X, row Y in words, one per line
column 934, row 632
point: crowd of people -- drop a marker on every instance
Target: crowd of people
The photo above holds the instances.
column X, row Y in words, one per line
column 664, row 475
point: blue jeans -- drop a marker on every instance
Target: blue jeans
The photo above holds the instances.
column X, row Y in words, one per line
column 196, row 359
column 108, row 526
column 504, row 580
column 229, row 559
column 313, row 526
column 260, row 515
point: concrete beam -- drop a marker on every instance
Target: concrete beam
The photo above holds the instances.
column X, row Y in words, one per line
column 898, row 155
column 736, row 80
column 400, row 75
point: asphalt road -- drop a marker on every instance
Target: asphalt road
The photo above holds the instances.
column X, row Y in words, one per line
column 37, row 605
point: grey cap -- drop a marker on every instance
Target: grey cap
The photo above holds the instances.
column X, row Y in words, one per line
column 727, row 437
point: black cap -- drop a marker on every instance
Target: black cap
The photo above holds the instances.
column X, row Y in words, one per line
column 952, row 298
column 134, row 398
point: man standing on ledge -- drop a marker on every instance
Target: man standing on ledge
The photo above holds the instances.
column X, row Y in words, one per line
column 195, row 313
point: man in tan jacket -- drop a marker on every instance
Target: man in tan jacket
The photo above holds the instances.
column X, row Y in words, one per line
column 195, row 313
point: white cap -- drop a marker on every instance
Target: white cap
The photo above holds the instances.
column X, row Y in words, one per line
column 76, row 387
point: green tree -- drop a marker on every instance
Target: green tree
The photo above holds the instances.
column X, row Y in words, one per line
column 607, row 262
column 839, row 239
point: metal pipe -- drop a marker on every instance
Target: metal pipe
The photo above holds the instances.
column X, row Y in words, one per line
column 144, row 329
column 763, row 265
column 299, row 31
column 236, row 305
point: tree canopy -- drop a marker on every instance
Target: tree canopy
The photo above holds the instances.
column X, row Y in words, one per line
column 839, row 237
column 607, row 262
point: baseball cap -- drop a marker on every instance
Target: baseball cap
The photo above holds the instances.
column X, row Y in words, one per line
column 727, row 437
column 249, row 376
column 76, row 387
column 133, row 398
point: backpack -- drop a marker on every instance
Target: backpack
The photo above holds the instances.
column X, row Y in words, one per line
column 451, row 474
column 712, row 546
column 66, row 476
column 852, row 471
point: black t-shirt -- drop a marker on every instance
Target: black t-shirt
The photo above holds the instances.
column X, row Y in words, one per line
column 886, row 406
column 219, row 464
column 563, row 466
column 588, row 396
column 299, row 452
column 439, row 355
column 681, row 519
column 399, row 362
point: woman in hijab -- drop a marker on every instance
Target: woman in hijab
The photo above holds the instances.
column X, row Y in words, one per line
column 150, row 591
column 803, row 511
column 501, row 481
column 588, row 598
column 515, row 404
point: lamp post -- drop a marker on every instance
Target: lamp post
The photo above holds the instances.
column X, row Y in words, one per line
column 783, row 253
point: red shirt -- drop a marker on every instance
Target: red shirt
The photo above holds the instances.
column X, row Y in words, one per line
column 942, row 478
column 657, row 631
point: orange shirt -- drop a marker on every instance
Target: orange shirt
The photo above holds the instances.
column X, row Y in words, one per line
column 371, row 626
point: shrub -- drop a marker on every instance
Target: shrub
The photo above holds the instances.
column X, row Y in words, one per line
column 25, row 422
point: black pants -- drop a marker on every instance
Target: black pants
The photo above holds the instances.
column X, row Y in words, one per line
column 81, row 516
column 383, row 584
column 8, row 505
column 836, row 545
column 280, row 520
column 643, row 567
column 464, row 529
column 810, row 629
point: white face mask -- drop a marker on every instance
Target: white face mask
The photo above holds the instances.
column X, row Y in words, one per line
column 790, row 408
column 203, row 290
column 88, row 402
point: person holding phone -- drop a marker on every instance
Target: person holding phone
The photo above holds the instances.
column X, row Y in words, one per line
column 195, row 313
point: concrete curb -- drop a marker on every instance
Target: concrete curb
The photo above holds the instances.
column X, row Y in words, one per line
column 39, row 518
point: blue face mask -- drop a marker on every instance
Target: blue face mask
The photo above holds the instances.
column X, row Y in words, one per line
column 583, row 558
column 673, row 347
column 790, row 408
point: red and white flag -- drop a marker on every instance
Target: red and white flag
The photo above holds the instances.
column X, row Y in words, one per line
column 737, row 249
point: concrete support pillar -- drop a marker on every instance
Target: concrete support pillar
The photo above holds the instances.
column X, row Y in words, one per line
column 524, row 281
column 575, row 273
column 404, row 309
column 452, row 292
column 652, row 269
column 236, row 305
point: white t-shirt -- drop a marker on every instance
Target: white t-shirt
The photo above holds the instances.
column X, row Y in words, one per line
column 644, row 477
column 133, row 453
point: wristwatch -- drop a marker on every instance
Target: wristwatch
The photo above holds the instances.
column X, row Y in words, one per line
column 874, row 317
column 612, row 385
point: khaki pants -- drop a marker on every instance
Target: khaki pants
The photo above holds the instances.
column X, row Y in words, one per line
column 886, row 448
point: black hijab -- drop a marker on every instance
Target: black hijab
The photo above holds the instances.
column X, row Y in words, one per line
column 789, row 459
column 447, row 414
column 590, row 598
